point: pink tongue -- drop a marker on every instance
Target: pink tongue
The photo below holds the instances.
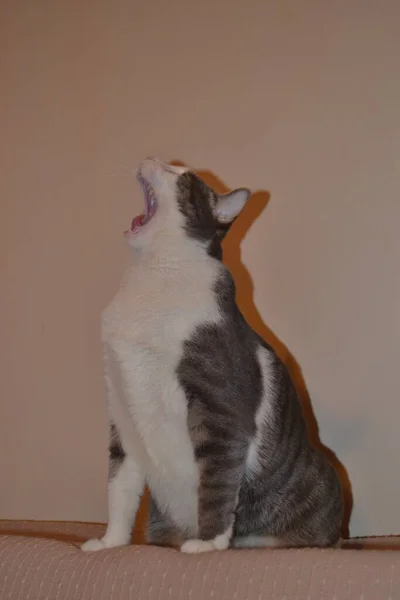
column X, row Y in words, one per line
column 137, row 221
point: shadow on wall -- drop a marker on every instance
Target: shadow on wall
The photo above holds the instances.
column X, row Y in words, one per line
column 245, row 301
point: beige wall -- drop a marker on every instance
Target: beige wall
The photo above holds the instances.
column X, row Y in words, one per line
column 297, row 98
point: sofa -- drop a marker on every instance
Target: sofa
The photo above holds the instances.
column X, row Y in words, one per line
column 43, row 560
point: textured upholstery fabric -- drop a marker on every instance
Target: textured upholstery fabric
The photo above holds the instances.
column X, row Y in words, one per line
column 43, row 561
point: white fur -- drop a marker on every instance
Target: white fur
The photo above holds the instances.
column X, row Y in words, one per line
column 158, row 305
column 230, row 205
column 93, row 545
column 220, row 542
column 263, row 413
column 123, row 500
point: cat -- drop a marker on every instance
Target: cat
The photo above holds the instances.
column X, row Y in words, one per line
column 201, row 409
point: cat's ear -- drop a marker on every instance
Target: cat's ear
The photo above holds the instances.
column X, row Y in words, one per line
column 230, row 205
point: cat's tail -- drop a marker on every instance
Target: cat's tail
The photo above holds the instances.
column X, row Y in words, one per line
column 268, row 541
column 258, row 541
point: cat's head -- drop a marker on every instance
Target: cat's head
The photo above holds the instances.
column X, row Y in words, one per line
column 178, row 203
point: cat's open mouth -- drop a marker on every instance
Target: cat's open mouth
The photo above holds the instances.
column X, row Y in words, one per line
column 150, row 203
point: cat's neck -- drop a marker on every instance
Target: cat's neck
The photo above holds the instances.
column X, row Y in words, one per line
column 193, row 268
column 172, row 257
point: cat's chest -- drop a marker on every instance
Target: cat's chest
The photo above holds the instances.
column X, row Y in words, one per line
column 145, row 328
column 156, row 316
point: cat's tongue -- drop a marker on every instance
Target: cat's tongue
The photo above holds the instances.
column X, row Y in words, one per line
column 138, row 222
column 150, row 207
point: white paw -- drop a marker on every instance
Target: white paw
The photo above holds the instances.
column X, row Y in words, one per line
column 197, row 546
column 105, row 542
column 93, row 545
column 221, row 542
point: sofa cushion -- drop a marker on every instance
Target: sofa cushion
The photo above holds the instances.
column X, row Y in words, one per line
column 43, row 560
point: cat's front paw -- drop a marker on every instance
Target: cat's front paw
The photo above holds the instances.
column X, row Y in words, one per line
column 221, row 542
column 108, row 541
column 93, row 545
column 197, row 546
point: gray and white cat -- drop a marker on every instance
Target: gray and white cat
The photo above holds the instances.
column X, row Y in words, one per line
column 201, row 408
